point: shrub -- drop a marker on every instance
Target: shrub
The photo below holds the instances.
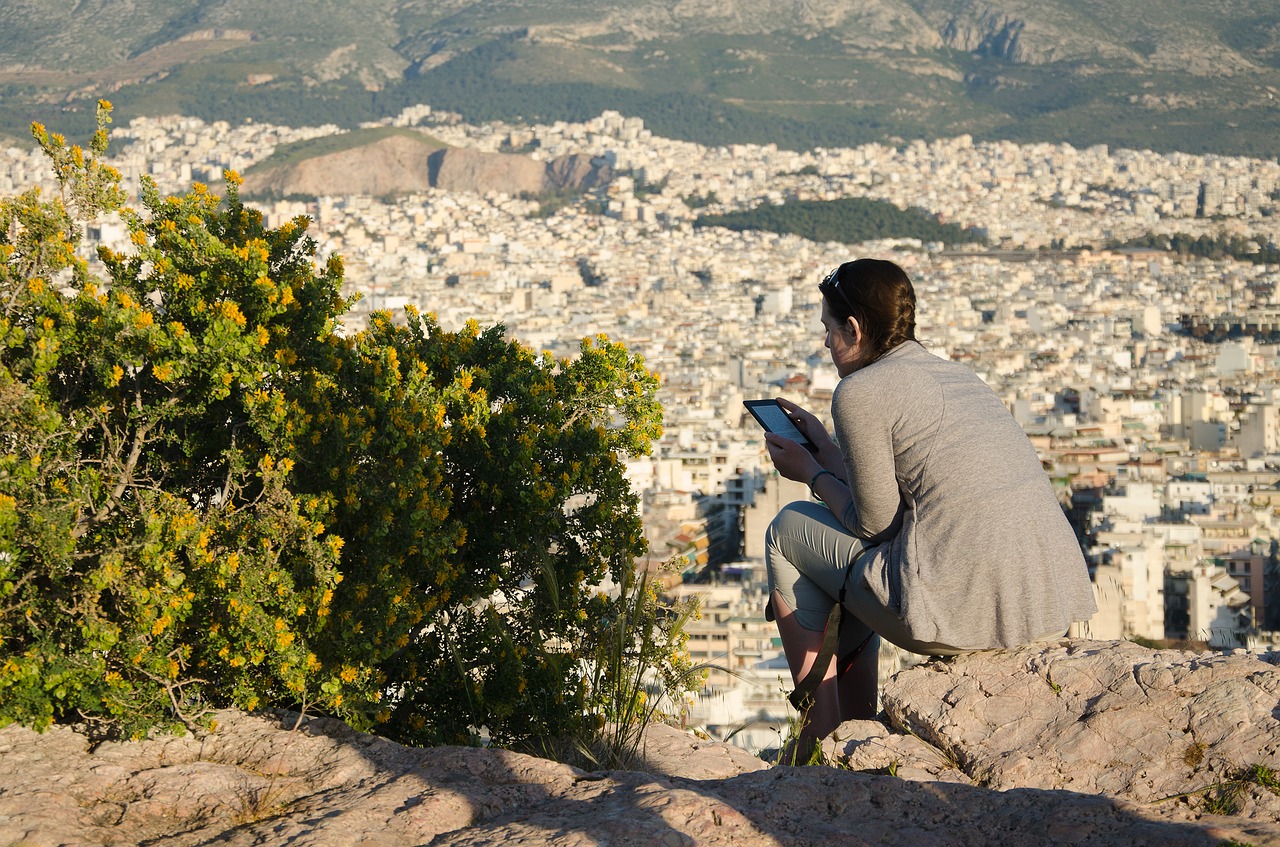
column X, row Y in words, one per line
column 156, row 562
column 210, row 497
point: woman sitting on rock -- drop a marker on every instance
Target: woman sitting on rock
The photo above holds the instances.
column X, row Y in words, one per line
column 937, row 526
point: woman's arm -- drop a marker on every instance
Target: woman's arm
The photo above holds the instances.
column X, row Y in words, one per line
column 796, row 463
column 864, row 423
column 860, row 486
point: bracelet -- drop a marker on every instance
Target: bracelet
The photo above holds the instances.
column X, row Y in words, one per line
column 817, row 477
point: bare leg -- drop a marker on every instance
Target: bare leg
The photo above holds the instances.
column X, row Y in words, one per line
column 859, row 685
column 801, row 647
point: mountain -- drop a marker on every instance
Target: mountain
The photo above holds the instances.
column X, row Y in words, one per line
column 1194, row 75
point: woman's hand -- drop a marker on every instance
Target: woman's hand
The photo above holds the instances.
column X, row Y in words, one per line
column 795, row 462
column 790, row 458
column 828, row 454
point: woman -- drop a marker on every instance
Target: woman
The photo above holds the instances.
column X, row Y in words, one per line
column 937, row 523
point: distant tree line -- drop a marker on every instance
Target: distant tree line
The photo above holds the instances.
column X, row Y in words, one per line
column 1220, row 246
column 848, row 220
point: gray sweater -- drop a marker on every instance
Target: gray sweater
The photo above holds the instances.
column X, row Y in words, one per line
column 971, row 545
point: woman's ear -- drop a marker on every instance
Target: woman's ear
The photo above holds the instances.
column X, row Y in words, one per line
column 855, row 331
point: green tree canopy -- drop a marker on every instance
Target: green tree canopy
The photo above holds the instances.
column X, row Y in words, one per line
column 849, row 220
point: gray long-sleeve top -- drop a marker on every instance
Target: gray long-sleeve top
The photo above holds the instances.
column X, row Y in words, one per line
column 971, row 545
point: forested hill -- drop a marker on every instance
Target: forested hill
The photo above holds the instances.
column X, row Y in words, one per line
column 849, row 220
column 1194, row 75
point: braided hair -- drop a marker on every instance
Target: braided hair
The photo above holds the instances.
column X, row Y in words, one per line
column 878, row 295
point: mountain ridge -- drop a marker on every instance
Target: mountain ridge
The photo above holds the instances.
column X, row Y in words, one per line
column 1177, row 75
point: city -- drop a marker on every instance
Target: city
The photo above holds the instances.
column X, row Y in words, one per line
column 1164, row 447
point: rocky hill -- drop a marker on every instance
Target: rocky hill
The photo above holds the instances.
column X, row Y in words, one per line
column 475, row 171
column 400, row 164
column 1081, row 743
column 393, row 165
column 1197, row 75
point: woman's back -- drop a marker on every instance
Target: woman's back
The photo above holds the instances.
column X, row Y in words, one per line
column 973, row 547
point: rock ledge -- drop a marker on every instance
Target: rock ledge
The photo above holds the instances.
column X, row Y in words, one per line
column 1082, row 739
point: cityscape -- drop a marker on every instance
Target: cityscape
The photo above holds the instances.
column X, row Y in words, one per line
column 1164, row 446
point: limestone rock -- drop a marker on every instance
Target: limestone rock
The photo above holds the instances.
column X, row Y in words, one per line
column 402, row 164
column 393, row 165
column 872, row 747
column 1004, row 720
column 576, row 171
column 460, row 169
column 667, row 751
column 1109, row 718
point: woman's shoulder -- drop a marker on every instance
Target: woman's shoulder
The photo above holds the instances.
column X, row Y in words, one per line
column 906, row 370
column 909, row 360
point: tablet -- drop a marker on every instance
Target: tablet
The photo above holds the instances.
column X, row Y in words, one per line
column 774, row 419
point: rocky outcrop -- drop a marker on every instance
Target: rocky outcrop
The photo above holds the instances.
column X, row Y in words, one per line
column 989, row 34
column 1109, row 718
column 458, row 169
column 1007, row 720
column 401, row 164
column 393, row 165
column 864, row 23
column 577, row 171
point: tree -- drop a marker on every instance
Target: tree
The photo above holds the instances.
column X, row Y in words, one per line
column 211, row 497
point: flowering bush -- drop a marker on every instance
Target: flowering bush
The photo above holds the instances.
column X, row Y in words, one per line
column 209, row 497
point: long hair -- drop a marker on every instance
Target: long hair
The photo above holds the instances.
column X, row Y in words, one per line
column 879, row 296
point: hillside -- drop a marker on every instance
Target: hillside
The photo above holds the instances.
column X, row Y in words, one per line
column 374, row 162
column 850, row 220
column 386, row 161
column 1195, row 76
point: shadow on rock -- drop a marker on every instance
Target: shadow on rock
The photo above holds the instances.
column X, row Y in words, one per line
column 255, row 782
